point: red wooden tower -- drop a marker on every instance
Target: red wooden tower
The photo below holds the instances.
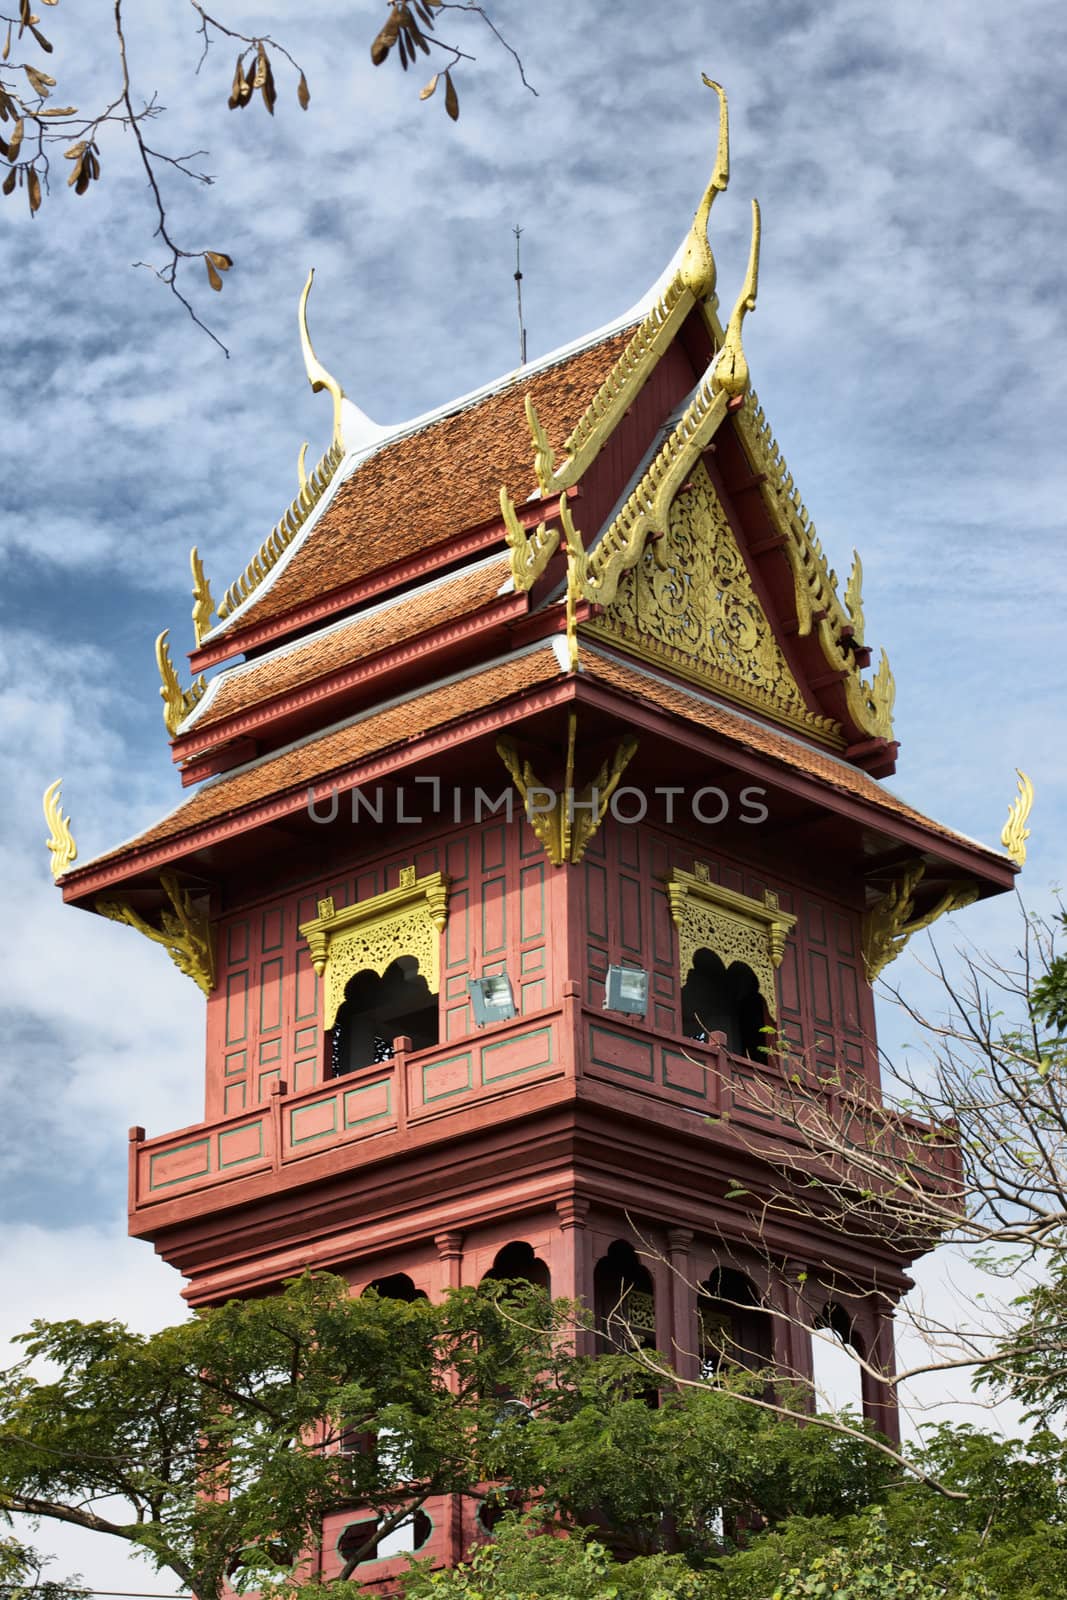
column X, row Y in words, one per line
column 445, row 1039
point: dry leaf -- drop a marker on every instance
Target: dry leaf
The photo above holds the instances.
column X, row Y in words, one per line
column 451, row 98
column 15, row 140
column 60, row 111
column 212, row 276
column 424, row 94
column 9, row 181
column 76, row 176
column 7, row 44
column 220, row 259
column 41, row 40
column 303, row 93
column 237, row 97
column 261, row 68
column 76, row 150
column 33, row 184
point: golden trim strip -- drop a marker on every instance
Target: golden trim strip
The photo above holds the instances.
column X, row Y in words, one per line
column 283, row 533
column 818, row 604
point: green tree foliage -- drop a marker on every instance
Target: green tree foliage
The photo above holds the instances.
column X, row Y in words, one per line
column 22, row 1575
column 216, row 1439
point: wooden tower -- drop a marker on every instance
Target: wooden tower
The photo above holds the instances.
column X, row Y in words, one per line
column 536, row 775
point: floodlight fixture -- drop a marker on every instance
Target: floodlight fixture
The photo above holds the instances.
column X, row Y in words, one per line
column 626, row 990
column 491, row 999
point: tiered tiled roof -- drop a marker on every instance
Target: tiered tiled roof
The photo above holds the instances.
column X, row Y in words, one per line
column 421, row 489
column 350, row 643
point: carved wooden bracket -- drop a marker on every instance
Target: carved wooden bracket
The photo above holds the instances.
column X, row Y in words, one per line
column 733, row 926
column 566, row 821
column 370, row 935
column 184, row 932
column 889, row 925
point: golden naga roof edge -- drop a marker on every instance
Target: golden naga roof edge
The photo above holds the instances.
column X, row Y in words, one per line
column 692, row 284
column 839, row 627
column 595, row 574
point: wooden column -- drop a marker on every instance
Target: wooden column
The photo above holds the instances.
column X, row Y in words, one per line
column 879, row 1399
column 571, row 1267
column 450, row 1254
column 684, row 1350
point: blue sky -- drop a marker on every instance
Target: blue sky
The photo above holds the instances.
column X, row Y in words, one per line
column 908, row 348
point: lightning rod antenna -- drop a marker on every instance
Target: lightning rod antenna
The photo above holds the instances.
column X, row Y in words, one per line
column 517, row 231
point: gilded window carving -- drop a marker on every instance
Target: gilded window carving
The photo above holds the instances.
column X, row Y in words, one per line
column 732, row 926
column 694, row 605
column 372, row 934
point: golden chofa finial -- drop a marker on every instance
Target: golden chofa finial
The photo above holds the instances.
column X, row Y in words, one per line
column 731, row 368
column 698, row 263
column 203, row 600
column 1015, row 833
column 177, row 702
column 60, row 840
column 318, row 377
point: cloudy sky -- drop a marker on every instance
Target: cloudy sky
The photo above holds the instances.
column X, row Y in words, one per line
column 908, row 348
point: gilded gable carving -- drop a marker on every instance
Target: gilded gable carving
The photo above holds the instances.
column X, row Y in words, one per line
column 696, row 610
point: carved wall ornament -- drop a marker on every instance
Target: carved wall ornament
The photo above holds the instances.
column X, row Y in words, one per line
column 60, row 841
column 370, row 935
column 890, row 923
column 732, row 926
column 818, row 604
column 563, row 820
column 700, row 615
column 1014, row 834
column 177, row 702
column 184, row 931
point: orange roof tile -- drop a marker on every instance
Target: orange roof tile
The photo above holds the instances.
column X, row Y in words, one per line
column 760, row 738
column 429, row 485
column 316, row 759
column 343, row 645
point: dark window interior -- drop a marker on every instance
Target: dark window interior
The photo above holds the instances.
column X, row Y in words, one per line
column 377, row 1010
column 398, row 1286
column 719, row 999
column 734, row 1330
column 625, row 1304
column 517, row 1260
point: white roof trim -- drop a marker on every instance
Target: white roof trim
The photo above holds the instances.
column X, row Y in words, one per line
column 364, row 438
column 348, row 621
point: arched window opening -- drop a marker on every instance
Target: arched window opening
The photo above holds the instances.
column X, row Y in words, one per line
column 624, row 1300
column 735, row 1331
column 398, row 1286
column 517, row 1260
column 409, row 1536
column 720, row 999
column 495, row 1507
column 376, row 1010
column 836, row 1373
